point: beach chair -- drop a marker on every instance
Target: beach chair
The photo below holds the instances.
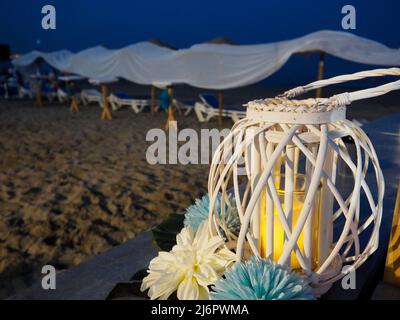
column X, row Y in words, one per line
column 49, row 93
column 208, row 108
column 30, row 90
column 185, row 106
column 4, row 90
column 91, row 95
column 62, row 95
column 137, row 103
column 8, row 89
column 24, row 90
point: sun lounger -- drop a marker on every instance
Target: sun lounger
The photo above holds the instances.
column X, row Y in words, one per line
column 8, row 86
column 39, row 80
column 62, row 95
column 137, row 103
column 24, row 88
column 186, row 106
column 208, row 108
column 49, row 93
column 65, row 92
column 8, row 89
column 91, row 95
column 25, row 91
column 4, row 90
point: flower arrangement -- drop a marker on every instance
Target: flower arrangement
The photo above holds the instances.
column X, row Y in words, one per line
column 288, row 207
column 198, row 212
column 194, row 263
column 200, row 267
column 260, row 279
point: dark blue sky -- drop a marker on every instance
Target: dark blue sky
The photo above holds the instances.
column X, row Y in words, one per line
column 117, row 23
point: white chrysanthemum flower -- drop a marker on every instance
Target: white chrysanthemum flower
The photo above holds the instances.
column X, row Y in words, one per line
column 195, row 262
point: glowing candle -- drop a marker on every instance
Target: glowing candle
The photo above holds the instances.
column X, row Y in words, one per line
column 279, row 233
column 272, row 240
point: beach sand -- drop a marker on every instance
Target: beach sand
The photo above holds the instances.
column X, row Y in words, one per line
column 73, row 186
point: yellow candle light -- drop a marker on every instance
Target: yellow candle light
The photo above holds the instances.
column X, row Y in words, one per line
column 278, row 230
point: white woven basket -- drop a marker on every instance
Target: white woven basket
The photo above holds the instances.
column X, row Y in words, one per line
column 281, row 140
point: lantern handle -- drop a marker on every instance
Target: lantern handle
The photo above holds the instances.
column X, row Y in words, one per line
column 346, row 98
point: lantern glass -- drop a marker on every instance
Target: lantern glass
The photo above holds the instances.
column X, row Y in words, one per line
column 278, row 236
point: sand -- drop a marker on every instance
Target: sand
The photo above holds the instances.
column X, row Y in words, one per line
column 73, row 186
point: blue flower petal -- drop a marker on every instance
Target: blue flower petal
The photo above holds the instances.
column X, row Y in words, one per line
column 198, row 212
column 261, row 279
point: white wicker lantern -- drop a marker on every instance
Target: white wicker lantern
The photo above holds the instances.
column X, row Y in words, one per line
column 292, row 202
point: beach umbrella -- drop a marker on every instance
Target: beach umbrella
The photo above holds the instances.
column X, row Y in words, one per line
column 221, row 40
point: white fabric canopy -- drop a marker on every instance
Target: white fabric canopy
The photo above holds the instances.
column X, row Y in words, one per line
column 56, row 59
column 214, row 66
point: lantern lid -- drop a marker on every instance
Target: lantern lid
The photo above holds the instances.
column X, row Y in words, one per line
column 285, row 109
column 307, row 111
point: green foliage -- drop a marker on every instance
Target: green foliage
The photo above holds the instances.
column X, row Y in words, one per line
column 164, row 235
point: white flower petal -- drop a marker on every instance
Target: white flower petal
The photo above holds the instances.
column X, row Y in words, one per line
column 163, row 261
column 196, row 261
column 211, row 245
column 188, row 289
column 149, row 281
column 201, row 236
column 206, row 275
column 185, row 237
column 203, row 293
column 164, row 286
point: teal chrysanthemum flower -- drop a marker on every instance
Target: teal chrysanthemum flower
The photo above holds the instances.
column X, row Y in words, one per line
column 261, row 279
column 198, row 213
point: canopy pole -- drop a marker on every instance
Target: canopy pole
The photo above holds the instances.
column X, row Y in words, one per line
column 220, row 98
column 39, row 94
column 171, row 116
column 153, row 99
column 74, row 104
column 321, row 66
column 106, row 113
column 392, row 267
column 74, row 107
